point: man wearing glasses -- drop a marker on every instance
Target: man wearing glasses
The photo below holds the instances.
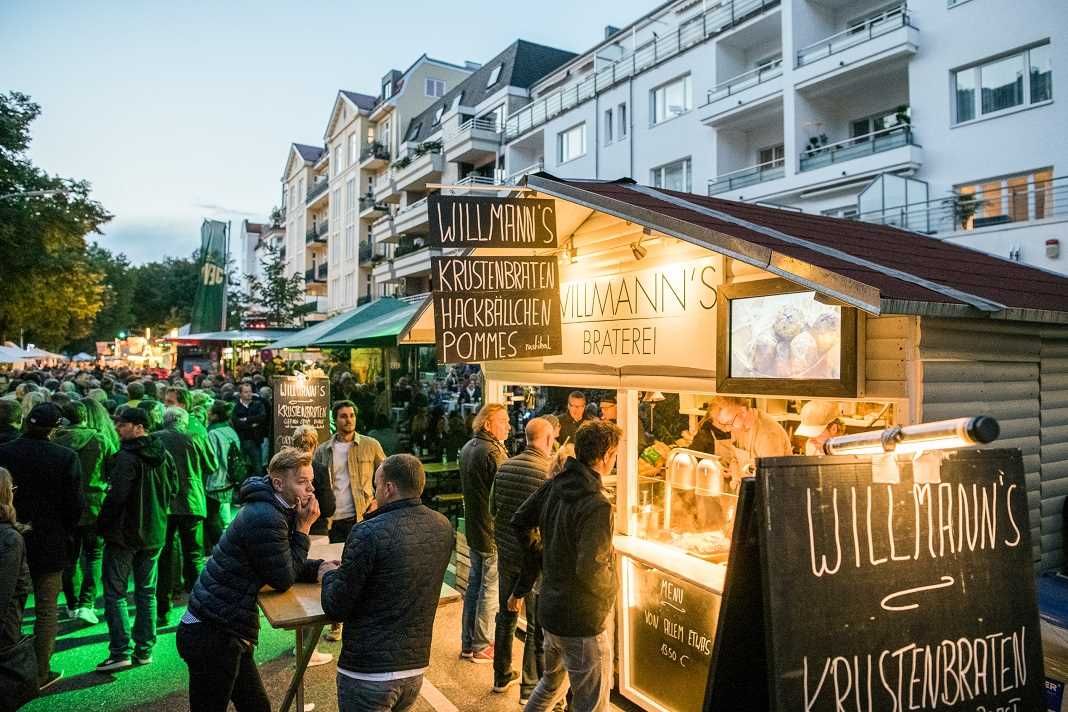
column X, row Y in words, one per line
column 753, row 434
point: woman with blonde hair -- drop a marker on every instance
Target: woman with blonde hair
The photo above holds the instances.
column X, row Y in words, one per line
column 16, row 653
column 100, row 420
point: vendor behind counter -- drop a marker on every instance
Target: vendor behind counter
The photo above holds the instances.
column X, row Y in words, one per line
column 753, row 434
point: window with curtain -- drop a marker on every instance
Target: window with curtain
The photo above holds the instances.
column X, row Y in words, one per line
column 672, row 99
column 676, row 175
column 1018, row 79
column 571, row 144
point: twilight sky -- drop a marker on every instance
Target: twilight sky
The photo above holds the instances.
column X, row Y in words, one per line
column 177, row 112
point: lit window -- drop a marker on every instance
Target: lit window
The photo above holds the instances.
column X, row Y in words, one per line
column 435, row 87
column 672, row 99
column 1018, row 79
column 673, row 176
column 572, row 143
column 1014, row 198
column 495, row 75
column 772, row 156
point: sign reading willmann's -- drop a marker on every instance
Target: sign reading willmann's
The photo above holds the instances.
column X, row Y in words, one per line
column 496, row 308
column 484, row 221
column 299, row 401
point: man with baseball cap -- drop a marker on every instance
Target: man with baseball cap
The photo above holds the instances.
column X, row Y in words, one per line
column 819, row 422
column 48, row 498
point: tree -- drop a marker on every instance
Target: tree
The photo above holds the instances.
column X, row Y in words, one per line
column 164, row 291
column 116, row 314
column 51, row 291
column 281, row 298
column 238, row 298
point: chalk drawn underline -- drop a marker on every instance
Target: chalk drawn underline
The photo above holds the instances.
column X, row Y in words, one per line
column 672, row 605
column 945, row 581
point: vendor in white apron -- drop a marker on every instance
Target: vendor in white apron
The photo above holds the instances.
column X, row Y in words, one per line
column 753, row 434
column 820, row 421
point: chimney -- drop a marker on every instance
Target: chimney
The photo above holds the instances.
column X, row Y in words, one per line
column 610, row 30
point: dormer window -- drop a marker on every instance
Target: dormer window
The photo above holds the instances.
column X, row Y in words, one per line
column 438, row 114
column 413, row 132
column 495, row 75
column 387, row 89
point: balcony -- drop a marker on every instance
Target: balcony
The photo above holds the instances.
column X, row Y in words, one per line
column 374, row 156
column 321, row 272
column 866, row 145
column 413, row 218
column 317, row 233
column 315, row 275
column 366, row 251
column 317, row 190
column 476, row 141
column 371, row 208
column 760, row 173
column 365, row 299
column 382, row 229
column 514, row 178
column 411, row 258
column 670, row 43
column 419, row 166
column 385, row 188
column 885, row 37
column 475, row 179
column 750, row 89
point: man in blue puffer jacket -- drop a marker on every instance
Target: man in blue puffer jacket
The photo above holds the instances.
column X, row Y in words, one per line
column 266, row 544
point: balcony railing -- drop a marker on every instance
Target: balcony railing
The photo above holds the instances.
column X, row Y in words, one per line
column 374, row 151
column 315, row 232
column 408, row 245
column 665, row 46
column 761, row 172
column 875, row 142
column 320, row 272
column 887, row 21
column 486, row 123
column 366, row 250
column 309, row 276
column 322, row 228
column 1040, row 200
column 473, row 179
column 513, row 178
column 744, row 81
column 368, row 202
column 317, row 189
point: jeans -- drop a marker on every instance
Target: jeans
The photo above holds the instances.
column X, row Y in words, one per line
column 253, row 452
column 45, row 618
column 587, row 662
column 190, row 530
column 480, row 602
column 221, row 670
column 504, row 634
column 119, row 563
column 82, row 578
column 365, row 696
column 217, row 520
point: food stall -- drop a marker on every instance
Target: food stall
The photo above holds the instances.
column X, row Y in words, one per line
column 679, row 299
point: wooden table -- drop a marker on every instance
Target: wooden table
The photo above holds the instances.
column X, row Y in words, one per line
column 301, row 606
column 440, row 468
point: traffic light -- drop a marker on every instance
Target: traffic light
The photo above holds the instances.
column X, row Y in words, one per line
column 120, row 335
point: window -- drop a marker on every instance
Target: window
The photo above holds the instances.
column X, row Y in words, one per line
column 607, row 127
column 848, row 212
column 621, row 110
column 772, row 156
column 496, row 115
column 571, row 143
column 459, row 100
column 860, row 129
column 999, row 84
column 1014, row 198
column 335, row 292
column 337, row 160
column 413, row 132
column 350, row 288
column 672, row 99
column 435, row 87
column 300, row 190
column 350, row 218
column 387, row 89
column 354, row 149
column 495, row 75
column 438, row 114
column 673, row 176
column 335, row 209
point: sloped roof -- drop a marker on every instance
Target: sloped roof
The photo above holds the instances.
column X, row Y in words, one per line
column 346, row 320
column 364, row 102
column 522, row 63
column 309, row 153
column 906, row 272
column 253, row 228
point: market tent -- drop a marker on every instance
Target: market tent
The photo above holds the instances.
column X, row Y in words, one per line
column 82, row 356
column 13, row 354
column 324, row 330
column 36, row 353
column 384, row 330
column 258, row 336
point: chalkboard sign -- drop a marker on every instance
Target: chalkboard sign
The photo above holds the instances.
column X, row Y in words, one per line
column 916, row 595
column 299, row 401
column 464, row 221
column 672, row 631
column 495, row 308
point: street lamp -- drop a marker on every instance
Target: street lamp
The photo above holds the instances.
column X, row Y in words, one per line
column 35, row 194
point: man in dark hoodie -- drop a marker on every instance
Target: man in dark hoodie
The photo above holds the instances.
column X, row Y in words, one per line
column 10, row 419
column 266, row 544
column 142, row 480
column 87, row 550
column 574, row 518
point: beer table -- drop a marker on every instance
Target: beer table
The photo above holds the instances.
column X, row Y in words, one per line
column 300, row 607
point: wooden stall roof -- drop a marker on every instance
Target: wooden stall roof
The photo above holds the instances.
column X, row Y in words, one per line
column 882, row 269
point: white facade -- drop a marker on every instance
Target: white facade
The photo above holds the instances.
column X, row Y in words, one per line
column 803, row 103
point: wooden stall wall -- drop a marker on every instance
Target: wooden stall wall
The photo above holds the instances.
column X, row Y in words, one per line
column 986, row 367
column 1054, row 444
column 889, row 356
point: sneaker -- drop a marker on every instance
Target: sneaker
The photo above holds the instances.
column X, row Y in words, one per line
column 512, row 679
column 334, row 634
column 318, row 658
column 467, row 654
column 523, row 700
column 142, row 659
column 162, row 620
column 52, row 678
column 114, row 662
column 483, row 656
column 86, row 615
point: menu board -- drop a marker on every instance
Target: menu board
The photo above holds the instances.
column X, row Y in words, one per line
column 495, row 308
column 785, row 336
column 914, row 595
column 489, row 221
column 299, row 401
column 671, row 625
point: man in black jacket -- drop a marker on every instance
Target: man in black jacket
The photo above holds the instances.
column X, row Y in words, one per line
column 517, row 479
column 479, row 460
column 578, row 583
column 250, row 421
column 49, row 500
column 386, row 592
column 10, row 419
column 142, row 481
column 266, row 544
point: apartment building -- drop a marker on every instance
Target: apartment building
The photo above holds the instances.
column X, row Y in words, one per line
column 938, row 115
column 250, row 241
column 305, row 181
column 456, row 140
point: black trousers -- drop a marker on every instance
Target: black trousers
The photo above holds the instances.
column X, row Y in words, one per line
column 189, row 530
column 339, row 530
column 221, row 670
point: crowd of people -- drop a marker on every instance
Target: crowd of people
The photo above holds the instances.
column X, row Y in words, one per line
column 108, row 479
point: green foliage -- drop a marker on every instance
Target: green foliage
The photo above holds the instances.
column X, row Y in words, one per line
column 164, row 291
column 279, row 298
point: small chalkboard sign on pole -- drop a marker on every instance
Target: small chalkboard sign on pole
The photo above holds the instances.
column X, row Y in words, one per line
column 299, row 401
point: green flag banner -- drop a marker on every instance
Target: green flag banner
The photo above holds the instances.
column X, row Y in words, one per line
column 209, row 305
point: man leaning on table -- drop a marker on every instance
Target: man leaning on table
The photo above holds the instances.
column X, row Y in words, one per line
column 266, row 544
column 386, row 592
